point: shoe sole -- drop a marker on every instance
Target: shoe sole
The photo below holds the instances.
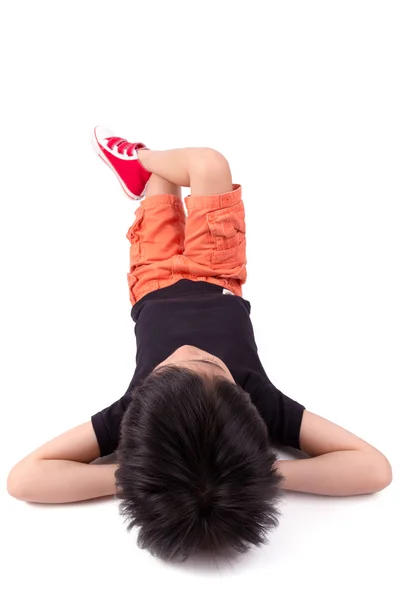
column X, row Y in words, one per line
column 98, row 150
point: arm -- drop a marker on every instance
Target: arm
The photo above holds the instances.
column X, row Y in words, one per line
column 340, row 463
column 59, row 471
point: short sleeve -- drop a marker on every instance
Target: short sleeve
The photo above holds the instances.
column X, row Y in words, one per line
column 107, row 423
column 281, row 414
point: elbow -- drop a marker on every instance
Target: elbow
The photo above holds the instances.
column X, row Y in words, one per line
column 18, row 483
column 381, row 473
column 14, row 485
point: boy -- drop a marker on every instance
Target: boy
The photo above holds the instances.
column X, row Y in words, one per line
column 193, row 431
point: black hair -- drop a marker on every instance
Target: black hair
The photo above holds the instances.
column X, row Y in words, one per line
column 196, row 470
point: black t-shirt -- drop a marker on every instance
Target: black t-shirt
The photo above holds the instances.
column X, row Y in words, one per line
column 201, row 315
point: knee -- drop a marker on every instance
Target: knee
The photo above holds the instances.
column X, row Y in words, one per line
column 209, row 161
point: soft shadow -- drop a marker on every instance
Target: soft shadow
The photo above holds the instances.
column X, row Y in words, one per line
column 309, row 498
column 92, row 502
column 206, row 563
column 111, row 459
column 285, row 451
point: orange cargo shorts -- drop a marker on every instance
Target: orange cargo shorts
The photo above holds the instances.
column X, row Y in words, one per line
column 209, row 244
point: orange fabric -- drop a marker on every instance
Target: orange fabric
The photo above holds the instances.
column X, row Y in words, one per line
column 207, row 245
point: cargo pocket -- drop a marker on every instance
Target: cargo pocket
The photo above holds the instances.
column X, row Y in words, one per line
column 133, row 235
column 228, row 231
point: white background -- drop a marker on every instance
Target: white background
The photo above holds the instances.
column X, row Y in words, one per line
column 303, row 98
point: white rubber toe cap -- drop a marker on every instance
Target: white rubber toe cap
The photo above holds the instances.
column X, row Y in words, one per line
column 99, row 135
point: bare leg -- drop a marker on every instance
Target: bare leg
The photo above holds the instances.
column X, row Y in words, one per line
column 204, row 170
column 158, row 185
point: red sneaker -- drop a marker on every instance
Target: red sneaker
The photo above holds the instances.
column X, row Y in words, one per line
column 122, row 157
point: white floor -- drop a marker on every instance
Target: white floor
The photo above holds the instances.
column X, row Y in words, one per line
column 304, row 100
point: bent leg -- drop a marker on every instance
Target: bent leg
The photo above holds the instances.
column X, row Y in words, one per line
column 156, row 236
column 215, row 242
column 215, row 239
column 204, row 170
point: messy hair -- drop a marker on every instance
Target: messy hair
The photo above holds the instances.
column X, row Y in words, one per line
column 196, row 469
